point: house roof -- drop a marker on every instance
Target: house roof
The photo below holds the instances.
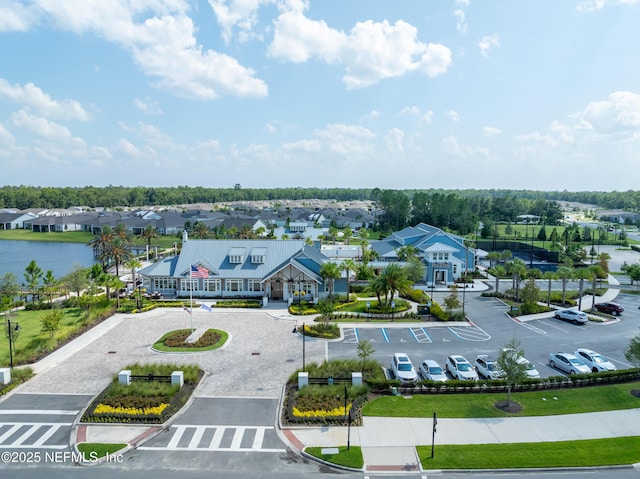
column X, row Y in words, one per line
column 214, row 255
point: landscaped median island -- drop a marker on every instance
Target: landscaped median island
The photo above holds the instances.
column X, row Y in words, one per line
column 177, row 341
column 151, row 396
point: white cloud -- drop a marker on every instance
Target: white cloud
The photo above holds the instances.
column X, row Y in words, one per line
column 16, row 17
column 370, row 52
column 148, row 106
column 619, row 113
column 461, row 23
column 410, row 110
column 128, row 148
column 372, row 115
column 490, row 131
column 239, row 14
column 161, row 39
column 346, row 139
column 452, row 115
column 452, row 148
column 33, row 97
column 428, row 116
column 487, row 43
column 395, row 140
column 6, row 138
column 593, row 5
column 463, row 3
column 44, row 128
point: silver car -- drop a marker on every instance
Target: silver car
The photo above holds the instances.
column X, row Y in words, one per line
column 573, row 315
column 460, row 368
column 595, row 361
column 568, row 363
column 432, row 371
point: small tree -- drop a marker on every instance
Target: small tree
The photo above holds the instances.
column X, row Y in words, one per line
column 77, row 279
column 50, row 322
column 632, row 352
column 452, row 301
column 514, row 372
column 365, row 349
column 326, row 309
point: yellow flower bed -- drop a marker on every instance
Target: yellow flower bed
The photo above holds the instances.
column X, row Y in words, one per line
column 130, row 411
column 338, row 411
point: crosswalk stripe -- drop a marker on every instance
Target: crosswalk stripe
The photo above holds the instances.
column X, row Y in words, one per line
column 258, row 438
column 52, row 430
column 26, row 435
column 197, row 437
column 237, row 438
column 40, row 412
column 10, row 432
column 217, row 438
column 176, row 437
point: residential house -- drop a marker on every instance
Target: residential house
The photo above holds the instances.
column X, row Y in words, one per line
column 15, row 220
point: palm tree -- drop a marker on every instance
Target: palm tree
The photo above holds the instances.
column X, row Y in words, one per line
column 346, row 234
column 123, row 233
column 245, row 232
column 497, row 272
column 565, row 273
column 101, row 243
column 119, row 252
column 200, row 230
column 394, row 279
column 348, row 265
column 149, row 233
column 549, row 276
column 330, row 272
column 134, row 264
column 517, row 268
column 407, row 253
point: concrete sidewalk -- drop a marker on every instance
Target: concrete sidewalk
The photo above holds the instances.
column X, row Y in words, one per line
column 388, row 444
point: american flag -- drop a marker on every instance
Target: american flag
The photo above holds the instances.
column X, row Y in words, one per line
column 199, row 272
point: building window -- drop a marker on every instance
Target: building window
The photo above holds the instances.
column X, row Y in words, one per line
column 164, row 283
column 234, row 285
column 257, row 259
column 455, row 268
column 212, row 285
column 188, row 284
column 255, row 285
column 446, row 256
column 235, row 259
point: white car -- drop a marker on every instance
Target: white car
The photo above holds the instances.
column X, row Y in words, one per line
column 487, row 367
column 432, row 371
column 573, row 315
column 531, row 370
column 402, row 369
column 460, row 368
column 595, row 361
column 568, row 363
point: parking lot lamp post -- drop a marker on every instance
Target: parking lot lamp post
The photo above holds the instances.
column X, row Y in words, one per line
column 304, row 343
column 10, row 331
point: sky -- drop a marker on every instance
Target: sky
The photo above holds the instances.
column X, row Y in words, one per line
column 454, row 94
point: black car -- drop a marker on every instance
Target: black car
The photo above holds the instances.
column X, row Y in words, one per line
column 610, row 308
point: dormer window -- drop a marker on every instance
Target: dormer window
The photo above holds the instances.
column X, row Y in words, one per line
column 258, row 255
column 236, row 255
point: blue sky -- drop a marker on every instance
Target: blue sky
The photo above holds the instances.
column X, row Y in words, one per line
column 540, row 94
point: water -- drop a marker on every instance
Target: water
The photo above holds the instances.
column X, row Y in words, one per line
column 15, row 256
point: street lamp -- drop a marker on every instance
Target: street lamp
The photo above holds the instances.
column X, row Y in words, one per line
column 10, row 331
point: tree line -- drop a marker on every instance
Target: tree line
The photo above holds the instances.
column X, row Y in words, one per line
column 23, row 197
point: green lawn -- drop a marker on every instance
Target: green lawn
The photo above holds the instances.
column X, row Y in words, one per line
column 534, row 403
column 588, row 453
column 159, row 345
column 348, row 458
column 77, row 237
column 29, row 341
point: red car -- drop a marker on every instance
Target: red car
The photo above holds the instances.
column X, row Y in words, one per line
column 610, row 308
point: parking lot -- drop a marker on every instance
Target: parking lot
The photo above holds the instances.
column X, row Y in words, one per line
column 488, row 330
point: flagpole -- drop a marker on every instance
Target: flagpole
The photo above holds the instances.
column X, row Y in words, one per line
column 191, row 304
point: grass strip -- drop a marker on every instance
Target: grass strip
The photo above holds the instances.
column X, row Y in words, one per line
column 534, row 403
column 347, row 458
column 584, row 453
column 94, row 450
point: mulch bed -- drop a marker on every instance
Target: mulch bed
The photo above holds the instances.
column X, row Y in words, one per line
column 512, row 407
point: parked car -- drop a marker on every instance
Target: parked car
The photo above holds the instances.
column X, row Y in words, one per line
column 460, row 368
column 595, row 361
column 613, row 309
column 487, row 367
column 402, row 369
column 432, row 371
column 568, row 363
column 531, row 370
column 573, row 315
